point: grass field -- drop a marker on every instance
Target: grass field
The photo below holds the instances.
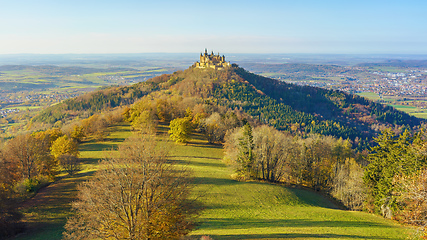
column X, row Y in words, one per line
column 415, row 111
column 411, row 110
column 369, row 95
column 233, row 210
column 47, row 212
column 388, row 69
column 254, row 210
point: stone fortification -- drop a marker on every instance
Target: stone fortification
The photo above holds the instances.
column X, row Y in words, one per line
column 212, row 61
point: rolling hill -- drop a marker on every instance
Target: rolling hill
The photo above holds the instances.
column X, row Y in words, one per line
column 288, row 107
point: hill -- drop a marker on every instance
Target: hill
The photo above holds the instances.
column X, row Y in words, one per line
column 288, row 107
column 233, row 210
column 397, row 63
column 238, row 210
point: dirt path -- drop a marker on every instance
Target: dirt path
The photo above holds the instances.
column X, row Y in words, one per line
column 50, row 207
column 46, row 213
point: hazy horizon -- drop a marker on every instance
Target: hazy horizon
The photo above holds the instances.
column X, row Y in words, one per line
column 183, row 60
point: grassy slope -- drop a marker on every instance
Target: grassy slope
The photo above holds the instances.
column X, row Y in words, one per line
column 234, row 210
column 253, row 210
column 47, row 212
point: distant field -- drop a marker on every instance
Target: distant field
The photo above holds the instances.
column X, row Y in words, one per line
column 388, row 69
column 411, row 110
column 19, row 82
column 369, row 95
column 24, row 107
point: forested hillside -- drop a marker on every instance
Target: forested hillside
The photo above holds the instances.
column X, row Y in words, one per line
column 288, row 107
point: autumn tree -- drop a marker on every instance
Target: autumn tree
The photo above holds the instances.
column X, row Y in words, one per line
column 77, row 133
column 145, row 122
column 216, row 125
column 94, row 126
column 180, row 129
column 70, row 163
column 9, row 215
column 412, row 199
column 212, row 127
column 135, row 195
column 348, row 186
column 163, row 110
column 47, row 164
column 64, row 145
column 239, row 152
column 271, row 151
column 30, row 154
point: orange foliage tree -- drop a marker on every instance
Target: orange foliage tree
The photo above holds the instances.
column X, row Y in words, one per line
column 135, row 195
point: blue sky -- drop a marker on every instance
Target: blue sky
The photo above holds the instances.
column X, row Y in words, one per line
column 267, row 26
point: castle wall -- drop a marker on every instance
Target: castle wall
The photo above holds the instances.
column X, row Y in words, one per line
column 212, row 61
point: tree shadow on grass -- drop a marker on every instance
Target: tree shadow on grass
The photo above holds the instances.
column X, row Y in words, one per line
column 98, row 147
column 114, row 139
column 218, row 164
column 47, row 211
column 89, row 161
column 289, row 236
column 214, row 181
column 229, row 223
column 306, row 197
column 204, row 145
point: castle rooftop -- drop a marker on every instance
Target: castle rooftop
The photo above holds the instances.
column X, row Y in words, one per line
column 212, row 61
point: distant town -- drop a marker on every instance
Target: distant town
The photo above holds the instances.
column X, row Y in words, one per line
column 411, row 84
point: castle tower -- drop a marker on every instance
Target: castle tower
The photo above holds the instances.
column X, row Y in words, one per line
column 212, row 61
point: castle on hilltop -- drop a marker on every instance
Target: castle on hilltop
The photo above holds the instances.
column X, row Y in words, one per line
column 212, row 61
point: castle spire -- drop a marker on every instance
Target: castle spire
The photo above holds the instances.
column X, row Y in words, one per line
column 212, row 61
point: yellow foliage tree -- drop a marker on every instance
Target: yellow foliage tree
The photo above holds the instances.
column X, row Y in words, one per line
column 180, row 129
column 64, row 145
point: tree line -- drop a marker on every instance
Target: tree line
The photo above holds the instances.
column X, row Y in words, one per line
column 30, row 161
column 370, row 180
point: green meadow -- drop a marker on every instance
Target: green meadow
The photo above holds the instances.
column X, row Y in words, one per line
column 411, row 110
column 369, row 95
column 232, row 209
column 47, row 212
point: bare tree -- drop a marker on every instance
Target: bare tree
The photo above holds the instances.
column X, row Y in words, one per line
column 70, row 163
column 348, row 184
column 271, row 151
column 136, row 195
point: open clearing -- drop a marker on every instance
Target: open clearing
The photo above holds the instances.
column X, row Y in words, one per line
column 233, row 210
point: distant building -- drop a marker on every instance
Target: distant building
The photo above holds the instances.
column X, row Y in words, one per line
column 212, row 61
